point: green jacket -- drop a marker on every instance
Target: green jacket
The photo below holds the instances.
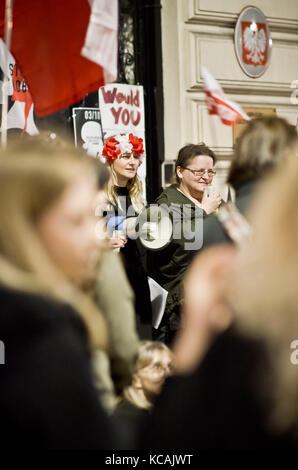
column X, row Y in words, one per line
column 169, row 264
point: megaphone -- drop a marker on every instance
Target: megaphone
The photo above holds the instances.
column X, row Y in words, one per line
column 153, row 226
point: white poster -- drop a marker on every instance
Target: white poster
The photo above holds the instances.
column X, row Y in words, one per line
column 20, row 105
column 122, row 111
column 87, row 129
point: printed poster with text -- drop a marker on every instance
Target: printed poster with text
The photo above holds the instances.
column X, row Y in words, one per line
column 87, row 129
column 122, row 111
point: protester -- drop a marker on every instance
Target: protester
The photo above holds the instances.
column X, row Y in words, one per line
column 262, row 146
column 115, row 298
column 188, row 202
column 48, row 255
column 237, row 384
column 266, row 292
column 112, row 368
column 123, row 153
column 155, row 362
column 235, row 358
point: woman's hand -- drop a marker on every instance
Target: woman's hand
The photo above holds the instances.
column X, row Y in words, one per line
column 206, row 310
column 210, row 203
column 118, row 240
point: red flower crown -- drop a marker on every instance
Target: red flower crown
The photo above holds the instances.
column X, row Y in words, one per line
column 115, row 146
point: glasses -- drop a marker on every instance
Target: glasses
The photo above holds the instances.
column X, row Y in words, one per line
column 201, row 172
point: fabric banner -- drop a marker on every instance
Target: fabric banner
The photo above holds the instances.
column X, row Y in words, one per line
column 47, row 40
column 20, row 106
column 101, row 43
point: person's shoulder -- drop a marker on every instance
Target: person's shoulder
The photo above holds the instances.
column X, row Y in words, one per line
column 34, row 313
column 244, row 195
column 213, row 232
column 126, row 409
column 168, row 195
column 211, row 221
column 233, row 342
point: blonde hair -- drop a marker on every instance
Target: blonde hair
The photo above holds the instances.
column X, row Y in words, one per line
column 134, row 187
column 32, row 177
column 261, row 147
column 146, row 355
column 266, row 288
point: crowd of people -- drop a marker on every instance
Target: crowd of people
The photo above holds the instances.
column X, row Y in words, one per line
column 84, row 366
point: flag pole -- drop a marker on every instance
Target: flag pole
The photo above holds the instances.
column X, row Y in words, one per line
column 212, row 127
column 7, row 38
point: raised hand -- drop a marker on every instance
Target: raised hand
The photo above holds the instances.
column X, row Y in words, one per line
column 210, row 203
column 118, row 240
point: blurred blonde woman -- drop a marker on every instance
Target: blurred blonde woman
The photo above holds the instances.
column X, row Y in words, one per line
column 123, row 154
column 33, row 257
column 154, row 363
column 237, row 357
column 267, row 295
column 262, row 147
column 48, row 254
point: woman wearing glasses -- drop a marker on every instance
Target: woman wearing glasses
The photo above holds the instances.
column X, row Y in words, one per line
column 188, row 202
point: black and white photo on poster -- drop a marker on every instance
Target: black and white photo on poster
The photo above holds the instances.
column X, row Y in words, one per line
column 87, row 129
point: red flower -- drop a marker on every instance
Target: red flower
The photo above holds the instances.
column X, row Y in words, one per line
column 110, row 151
column 137, row 144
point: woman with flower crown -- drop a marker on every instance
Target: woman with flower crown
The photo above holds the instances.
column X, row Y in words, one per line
column 123, row 153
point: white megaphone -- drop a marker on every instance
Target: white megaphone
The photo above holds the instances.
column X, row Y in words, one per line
column 153, row 226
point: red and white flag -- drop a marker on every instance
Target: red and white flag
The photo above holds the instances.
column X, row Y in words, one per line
column 47, row 40
column 101, row 42
column 217, row 102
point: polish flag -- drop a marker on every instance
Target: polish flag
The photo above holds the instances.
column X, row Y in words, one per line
column 217, row 102
column 64, row 48
column 101, row 42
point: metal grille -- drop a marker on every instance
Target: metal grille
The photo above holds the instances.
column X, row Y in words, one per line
column 126, row 54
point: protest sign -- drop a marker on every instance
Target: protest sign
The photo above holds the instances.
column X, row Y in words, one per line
column 87, row 129
column 122, row 111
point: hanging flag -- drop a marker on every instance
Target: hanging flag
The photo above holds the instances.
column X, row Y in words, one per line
column 101, row 43
column 20, row 107
column 47, row 40
column 217, row 102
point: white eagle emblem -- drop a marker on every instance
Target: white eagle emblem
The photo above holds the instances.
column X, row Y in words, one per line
column 255, row 44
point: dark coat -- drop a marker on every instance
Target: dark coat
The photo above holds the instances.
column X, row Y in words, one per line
column 223, row 405
column 213, row 229
column 133, row 256
column 168, row 266
column 47, row 398
column 130, row 420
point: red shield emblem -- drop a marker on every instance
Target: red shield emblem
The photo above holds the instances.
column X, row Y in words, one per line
column 254, row 43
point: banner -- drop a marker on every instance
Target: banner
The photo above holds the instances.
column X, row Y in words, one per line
column 122, row 111
column 47, row 40
column 87, row 129
column 20, row 106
